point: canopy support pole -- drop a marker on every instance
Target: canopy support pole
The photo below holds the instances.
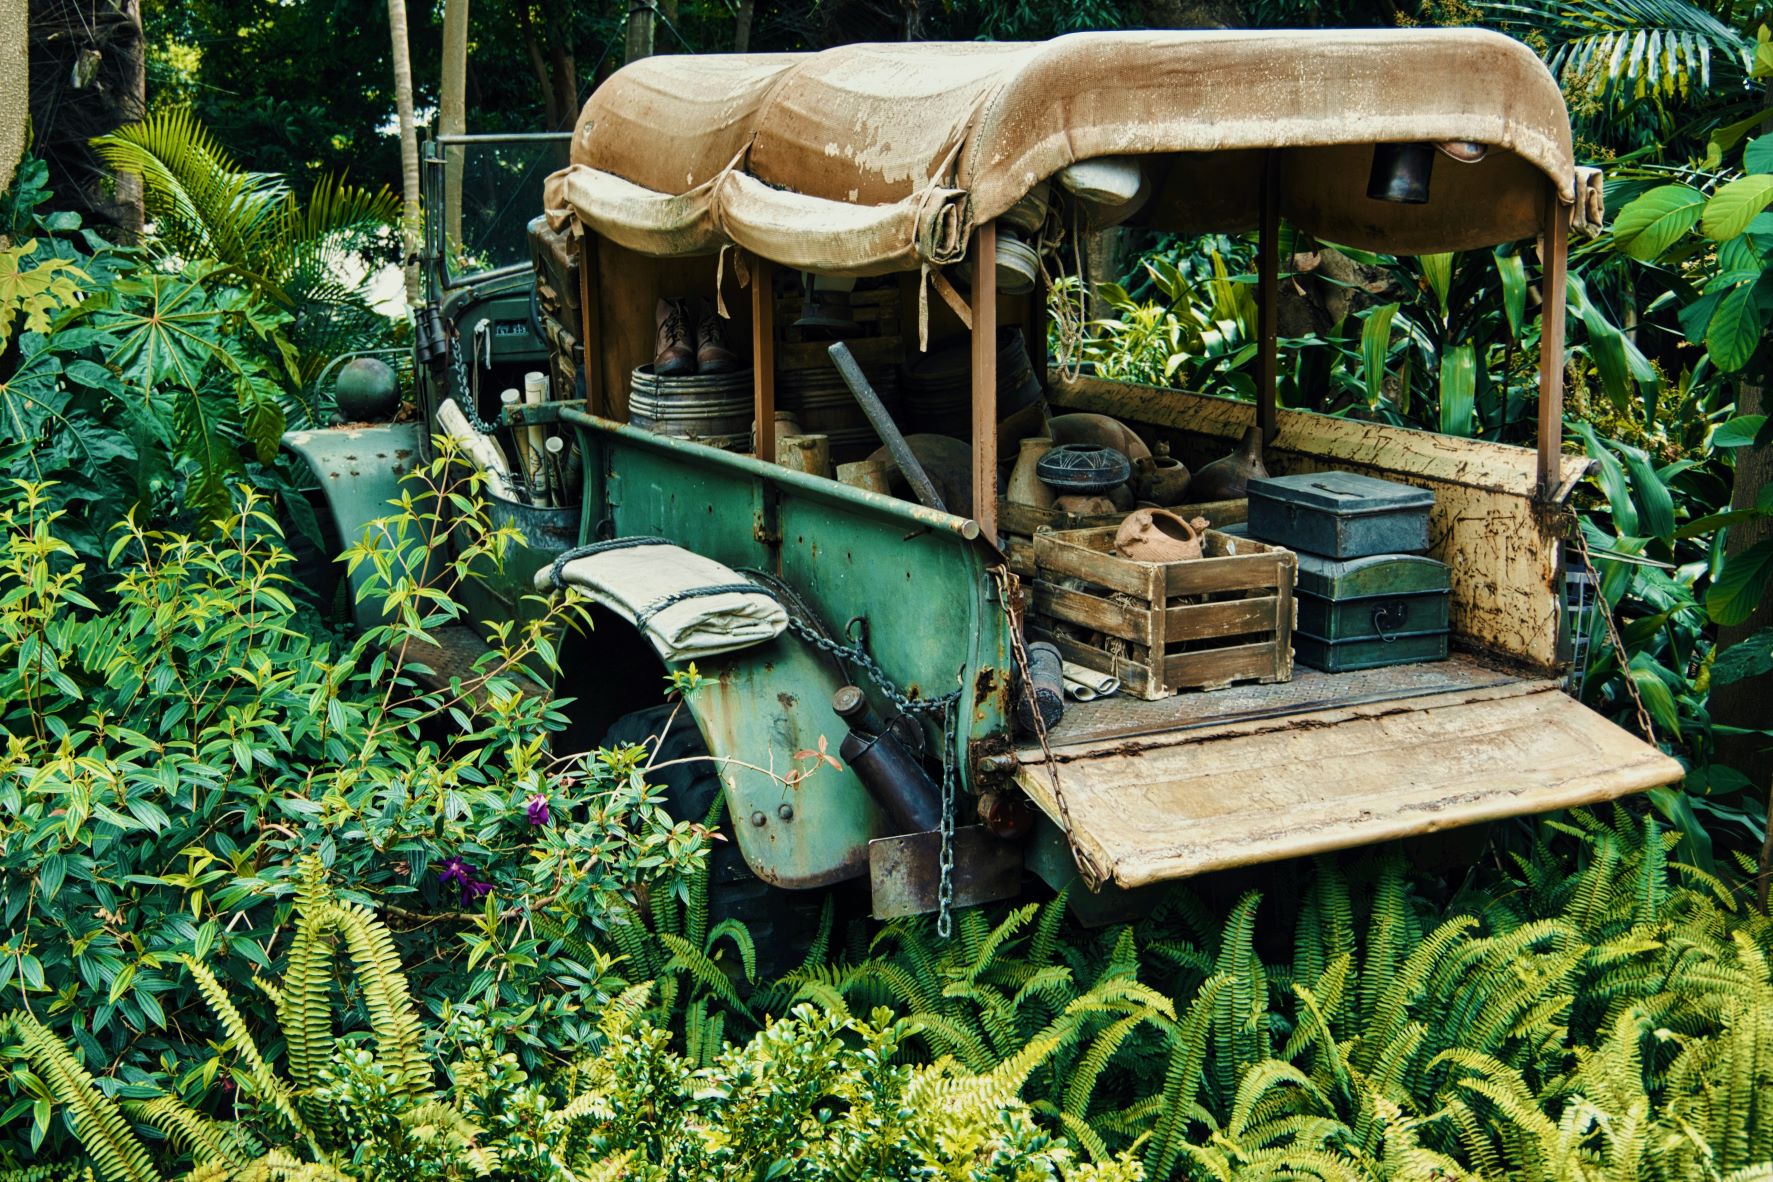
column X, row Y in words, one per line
column 1267, row 295
column 985, row 380
column 590, row 325
column 1553, row 248
column 763, row 357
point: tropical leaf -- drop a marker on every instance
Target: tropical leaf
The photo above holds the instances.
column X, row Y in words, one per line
column 1375, row 346
column 1734, row 206
column 1736, row 592
column 1657, row 220
column 1458, row 390
column 1734, row 331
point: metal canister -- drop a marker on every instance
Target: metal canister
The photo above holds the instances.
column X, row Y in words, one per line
column 891, row 774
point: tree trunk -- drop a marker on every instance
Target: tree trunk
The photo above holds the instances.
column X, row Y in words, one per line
column 15, row 92
column 640, row 32
column 742, row 25
column 452, row 111
column 409, row 150
column 1744, row 703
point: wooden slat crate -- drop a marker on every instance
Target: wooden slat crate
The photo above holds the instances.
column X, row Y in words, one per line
column 1019, row 523
column 1167, row 626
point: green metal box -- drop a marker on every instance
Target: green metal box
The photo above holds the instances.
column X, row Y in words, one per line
column 1340, row 514
column 1361, row 613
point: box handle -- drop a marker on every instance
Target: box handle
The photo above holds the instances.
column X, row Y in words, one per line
column 1388, row 619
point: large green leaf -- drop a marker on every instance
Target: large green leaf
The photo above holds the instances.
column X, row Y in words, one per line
column 1611, row 475
column 1654, row 501
column 1751, row 656
column 1657, row 220
column 1375, row 346
column 1458, row 389
column 1758, row 156
column 1739, row 431
column 1736, row 592
column 1735, row 329
column 1438, row 270
column 1734, row 206
column 1512, row 271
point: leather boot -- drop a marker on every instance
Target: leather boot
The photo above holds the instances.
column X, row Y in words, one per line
column 712, row 354
column 676, row 355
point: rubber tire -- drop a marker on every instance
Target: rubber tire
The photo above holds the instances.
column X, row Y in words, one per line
column 782, row 922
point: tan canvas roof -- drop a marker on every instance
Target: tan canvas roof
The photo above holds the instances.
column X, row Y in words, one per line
column 873, row 158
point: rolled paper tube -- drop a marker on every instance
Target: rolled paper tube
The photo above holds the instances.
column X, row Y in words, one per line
column 554, row 455
column 480, row 450
column 535, row 451
column 1101, row 684
column 1077, row 691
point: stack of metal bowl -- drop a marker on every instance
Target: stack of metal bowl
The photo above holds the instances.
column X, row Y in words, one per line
column 714, row 409
column 823, row 405
column 939, row 386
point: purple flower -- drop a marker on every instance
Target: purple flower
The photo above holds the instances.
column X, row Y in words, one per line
column 536, row 808
column 460, row 874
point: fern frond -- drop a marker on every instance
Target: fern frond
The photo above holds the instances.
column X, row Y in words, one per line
column 104, row 1132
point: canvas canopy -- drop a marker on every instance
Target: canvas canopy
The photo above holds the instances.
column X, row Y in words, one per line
column 868, row 159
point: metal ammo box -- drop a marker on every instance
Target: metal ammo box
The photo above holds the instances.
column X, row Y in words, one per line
column 1360, row 613
column 1340, row 514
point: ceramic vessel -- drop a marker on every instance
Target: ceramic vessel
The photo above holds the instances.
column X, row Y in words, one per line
column 1228, row 479
column 868, row 474
column 805, row 453
column 1158, row 535
column 1084, row 468
column 1161, row 478
column 1025, row 483
column 1084, row 506
column 1101, row 430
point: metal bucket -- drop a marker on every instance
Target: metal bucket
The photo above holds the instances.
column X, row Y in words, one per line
column 548, row 531
column 823, row 405
column 705, row 408
column 939, row 387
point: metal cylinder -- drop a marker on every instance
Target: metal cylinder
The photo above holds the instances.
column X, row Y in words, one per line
column 713, row 409
column 891, row 775
column 1046, row 685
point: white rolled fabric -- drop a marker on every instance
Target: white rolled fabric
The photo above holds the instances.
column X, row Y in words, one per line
column 1086, row 685
column 689, row 607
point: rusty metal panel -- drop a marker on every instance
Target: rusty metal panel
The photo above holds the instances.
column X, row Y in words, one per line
column 905, row 872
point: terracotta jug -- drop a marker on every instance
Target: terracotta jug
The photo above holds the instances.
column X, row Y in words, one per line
column 1026, row 487
column 1158, row 535
column 1228, row 479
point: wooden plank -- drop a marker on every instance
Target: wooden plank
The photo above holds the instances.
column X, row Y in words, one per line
column 1230, row 617
column 1147, row 811
column 1054, row 554
column 1135, row 678
column 763, row 358
column 1219, row 666
column 1095, row 613
column 1551, row 345
column 985, row 380
column 1268, row 295
column 1242, row 572
column 869, row 351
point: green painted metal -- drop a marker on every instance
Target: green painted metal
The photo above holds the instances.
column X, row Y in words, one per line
column 916, row 581
column 360, row 470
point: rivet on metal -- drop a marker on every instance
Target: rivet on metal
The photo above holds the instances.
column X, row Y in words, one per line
column 758, row 819
column 785, row 811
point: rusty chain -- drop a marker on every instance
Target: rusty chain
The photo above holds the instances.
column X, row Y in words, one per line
column 1606, row 613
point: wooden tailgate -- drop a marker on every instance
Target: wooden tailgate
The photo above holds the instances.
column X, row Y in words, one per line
column 1167, row 806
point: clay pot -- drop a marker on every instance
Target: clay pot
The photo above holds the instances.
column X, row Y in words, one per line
column 1228, row 479
column 1158, row 535
column 805, row 453
column 1121, row 496
column 1100, row 430
column 868, row 474
column 1161, row 479
column 1025, row 483
column 1084, row 506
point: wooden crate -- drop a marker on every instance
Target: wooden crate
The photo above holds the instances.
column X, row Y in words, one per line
column 1019, row 523
column 1167, row 626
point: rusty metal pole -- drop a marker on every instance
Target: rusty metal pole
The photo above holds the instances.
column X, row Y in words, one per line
column 1267, row 296
column 1553, row 249
column 985, row 380
column 763, row 356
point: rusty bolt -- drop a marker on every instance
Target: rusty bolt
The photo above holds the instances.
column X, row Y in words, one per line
column 758, row 819
column 785, row 811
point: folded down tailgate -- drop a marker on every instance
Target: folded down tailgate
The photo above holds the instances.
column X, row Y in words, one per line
column 1172, row 804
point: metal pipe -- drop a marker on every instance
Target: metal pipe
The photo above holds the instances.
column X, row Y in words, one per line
column 885, row 427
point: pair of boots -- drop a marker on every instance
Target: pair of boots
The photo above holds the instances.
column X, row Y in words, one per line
column 690, row 341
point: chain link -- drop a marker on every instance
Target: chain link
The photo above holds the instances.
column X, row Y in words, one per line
column 856, row 653
column 1606, row 613
column 468, row 398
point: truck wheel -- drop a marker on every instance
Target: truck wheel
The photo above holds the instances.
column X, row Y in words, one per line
column 782, row 923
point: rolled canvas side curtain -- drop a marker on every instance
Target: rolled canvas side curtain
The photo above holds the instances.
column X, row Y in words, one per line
column 792, row 229
column 1588, row 216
